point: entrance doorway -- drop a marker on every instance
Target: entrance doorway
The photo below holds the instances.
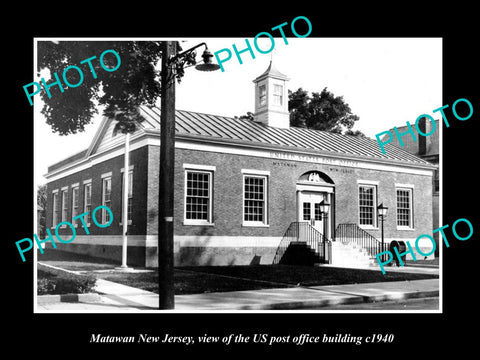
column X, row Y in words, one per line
column 314, row 187
column 309, row 210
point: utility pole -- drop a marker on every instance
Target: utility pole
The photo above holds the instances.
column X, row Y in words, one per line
column 167, row 167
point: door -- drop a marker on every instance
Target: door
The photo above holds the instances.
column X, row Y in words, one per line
column 309, row 209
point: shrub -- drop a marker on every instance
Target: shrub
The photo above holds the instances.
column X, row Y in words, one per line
column 65, row 283
column 45, row 286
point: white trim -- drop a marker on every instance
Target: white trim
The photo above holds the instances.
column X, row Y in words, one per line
column 209, row 221
column 199, row 167
column 226, row 241
column 104, row 181
column 410, row 186
column 265, row 222
column 64, row 188
column 316, row 188
column 302, row 157
column 374, row 185
column 88, row 181
column 144, row 139
column 368, row 182
column 255, row 172
column 75, row 185
column 183, row 241
column 130, row 168
column 106, row 175
column 411, row 217
column 55, row 191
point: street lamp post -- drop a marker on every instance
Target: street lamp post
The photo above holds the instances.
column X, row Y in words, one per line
column 170, row 60
column 382, row 214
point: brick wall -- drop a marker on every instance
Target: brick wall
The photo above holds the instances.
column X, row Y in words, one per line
column 228, row 195
column 139, row 161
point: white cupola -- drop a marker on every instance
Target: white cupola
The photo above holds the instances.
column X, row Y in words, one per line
column 271, row 98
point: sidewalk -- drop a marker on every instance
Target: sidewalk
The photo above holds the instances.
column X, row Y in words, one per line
column 120, row 298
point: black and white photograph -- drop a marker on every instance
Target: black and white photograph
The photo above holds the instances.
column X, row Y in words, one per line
column 277, row 196
column 189, row 182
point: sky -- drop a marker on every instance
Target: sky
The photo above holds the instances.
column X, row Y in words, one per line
column 385, row 81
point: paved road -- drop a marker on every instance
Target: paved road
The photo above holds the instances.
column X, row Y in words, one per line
column 431, row 303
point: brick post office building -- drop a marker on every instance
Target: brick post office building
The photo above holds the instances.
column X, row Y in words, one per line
column 242, row 188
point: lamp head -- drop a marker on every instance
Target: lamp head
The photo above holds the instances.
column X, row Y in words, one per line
column 324, row 206
column 382, row 210
column 207, row 65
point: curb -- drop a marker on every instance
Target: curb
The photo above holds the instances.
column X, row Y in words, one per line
column 49, row 299
column 354, row 299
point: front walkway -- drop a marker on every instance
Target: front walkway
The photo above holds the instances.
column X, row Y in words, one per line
column 121, row 298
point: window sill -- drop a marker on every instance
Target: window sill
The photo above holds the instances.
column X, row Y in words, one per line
column 404, row 228
column 189, row 223
column 368, row 227
column 255, row 225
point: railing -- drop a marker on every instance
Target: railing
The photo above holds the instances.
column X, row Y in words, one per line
column 352, row 233
column 304, row 232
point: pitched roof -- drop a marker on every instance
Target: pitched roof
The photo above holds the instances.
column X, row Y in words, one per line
column 208, row 127
column 273, row 72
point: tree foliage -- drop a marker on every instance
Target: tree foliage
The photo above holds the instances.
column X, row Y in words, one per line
column 135, row 82
column 321, row 111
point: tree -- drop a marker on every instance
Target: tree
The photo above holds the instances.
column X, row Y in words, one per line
column 136, row 82
column 321, row 111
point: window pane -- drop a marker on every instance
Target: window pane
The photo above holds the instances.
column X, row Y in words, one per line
column 306, row 211
column 197, row 202
column 403, row 207
column 254, row 195
column 367, row 205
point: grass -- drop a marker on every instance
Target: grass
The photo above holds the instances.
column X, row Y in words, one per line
column 202, row 279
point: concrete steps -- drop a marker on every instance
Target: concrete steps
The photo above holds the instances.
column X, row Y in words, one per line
column 351, row 256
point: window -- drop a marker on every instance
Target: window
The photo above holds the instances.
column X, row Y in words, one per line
column 74, row 204
column 255, row 199
column 367, row 202
column 262, row 95
column 55, row 209
column 130, row 197
column 198, row 197
column 318, row 214
column 87, row 201
column 307, row 211
column 64, row 204
column 404, row 208
column 106, row 198
column 278, row 95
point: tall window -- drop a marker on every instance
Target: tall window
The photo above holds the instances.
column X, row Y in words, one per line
column 404, row 208
column 278, row 94
column 64, row 204
column 255, row 199
column 74, row 203
column 198, row 197
column 56, row 212
column 106, row 198
column 367, row 202
column 262, row 95
column 130, row 197
column 87, row 201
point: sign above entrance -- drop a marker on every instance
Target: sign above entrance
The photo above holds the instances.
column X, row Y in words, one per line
column 312, row 159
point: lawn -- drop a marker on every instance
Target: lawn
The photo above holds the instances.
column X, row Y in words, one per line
column 200, row 279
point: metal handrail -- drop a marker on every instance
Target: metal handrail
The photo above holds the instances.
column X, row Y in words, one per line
column 351, row 233
column 304, row 232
